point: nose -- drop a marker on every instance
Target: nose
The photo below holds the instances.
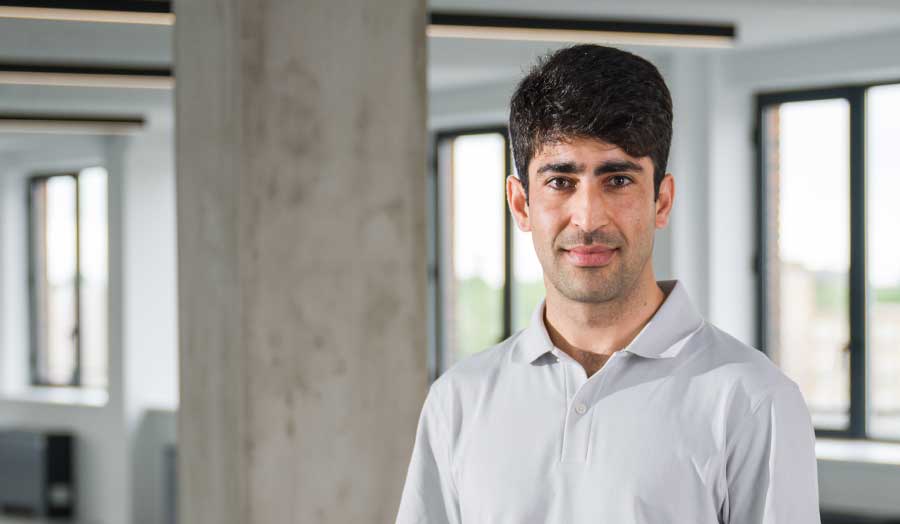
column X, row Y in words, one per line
column 589, row 210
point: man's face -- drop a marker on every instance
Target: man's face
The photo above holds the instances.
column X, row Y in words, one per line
column 592, row 216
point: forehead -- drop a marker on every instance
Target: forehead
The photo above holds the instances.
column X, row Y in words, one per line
column 585, row 148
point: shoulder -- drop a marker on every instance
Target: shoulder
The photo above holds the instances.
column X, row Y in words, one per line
column 473, row 372
column 747, row 394
column 746, row 375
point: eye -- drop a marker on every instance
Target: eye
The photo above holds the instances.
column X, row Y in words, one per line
column 559, row 183
column 620, row 181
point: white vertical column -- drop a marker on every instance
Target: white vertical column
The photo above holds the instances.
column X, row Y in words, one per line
column 687, row 75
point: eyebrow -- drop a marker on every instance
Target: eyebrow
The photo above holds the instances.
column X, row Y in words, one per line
column 610, row 166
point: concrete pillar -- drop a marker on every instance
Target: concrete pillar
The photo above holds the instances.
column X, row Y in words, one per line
column 301, row 257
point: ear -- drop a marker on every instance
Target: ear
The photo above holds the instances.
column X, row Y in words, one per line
column 665, row 201
column 515, row 197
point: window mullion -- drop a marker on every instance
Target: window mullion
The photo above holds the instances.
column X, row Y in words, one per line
column 858, row 279
column 76, row 377
column 507, row 247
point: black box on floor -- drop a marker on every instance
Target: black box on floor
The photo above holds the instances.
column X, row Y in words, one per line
column 37, row 476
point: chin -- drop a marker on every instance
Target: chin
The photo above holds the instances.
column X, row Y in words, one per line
column 590, row 294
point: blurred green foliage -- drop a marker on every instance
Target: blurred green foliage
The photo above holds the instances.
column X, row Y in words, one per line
column 479, row 316
column 832, row 292
column 479, row 312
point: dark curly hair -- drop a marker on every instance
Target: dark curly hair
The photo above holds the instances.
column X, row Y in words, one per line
column 592, row 91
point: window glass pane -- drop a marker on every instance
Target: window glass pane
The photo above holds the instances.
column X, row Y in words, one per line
column 474, row 305
column 807, row 165
column 883, row 222
column 54, row 254
column 93, row 253
column 528, row 279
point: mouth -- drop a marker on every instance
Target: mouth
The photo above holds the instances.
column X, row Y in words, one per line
column 593, row 256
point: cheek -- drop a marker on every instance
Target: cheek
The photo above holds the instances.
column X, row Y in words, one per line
column 636, row 221
column 544, row 230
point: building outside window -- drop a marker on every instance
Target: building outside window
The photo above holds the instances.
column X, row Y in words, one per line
column 68, row 270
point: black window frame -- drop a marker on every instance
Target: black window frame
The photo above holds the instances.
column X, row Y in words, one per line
column 436, row 363
column 855, row 95
column 35, row 379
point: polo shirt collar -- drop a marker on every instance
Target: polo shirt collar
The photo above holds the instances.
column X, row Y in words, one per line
column 662, row 337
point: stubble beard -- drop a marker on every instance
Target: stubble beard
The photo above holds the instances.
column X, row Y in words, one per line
column 596, row 285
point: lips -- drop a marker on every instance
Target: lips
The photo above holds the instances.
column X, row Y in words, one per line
column 590, row 256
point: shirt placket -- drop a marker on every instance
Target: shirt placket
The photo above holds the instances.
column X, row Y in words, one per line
column 581, row 395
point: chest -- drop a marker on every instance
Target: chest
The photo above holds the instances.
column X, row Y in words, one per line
column 609, row 448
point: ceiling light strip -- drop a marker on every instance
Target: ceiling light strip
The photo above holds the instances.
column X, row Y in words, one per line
column 87, row 15
column 65, row 124
column 446, row 25
column 146, row 12
column 85, row 76
column 587, row 37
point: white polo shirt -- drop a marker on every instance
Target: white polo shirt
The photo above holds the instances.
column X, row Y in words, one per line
column 685, row 425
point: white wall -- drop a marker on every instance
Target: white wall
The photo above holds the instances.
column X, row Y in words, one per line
column 687, row 74
column 119, row 447
column 102, row 472
column 150, row 315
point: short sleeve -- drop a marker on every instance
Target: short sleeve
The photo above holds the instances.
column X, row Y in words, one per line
column 429, row 495
column 770, row 464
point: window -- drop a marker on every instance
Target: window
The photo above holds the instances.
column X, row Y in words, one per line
column 882, row 226
column 829, row 290
column 487, row 279
column 68, row 278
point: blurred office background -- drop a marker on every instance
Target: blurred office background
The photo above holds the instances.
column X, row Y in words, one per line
column 126, row 285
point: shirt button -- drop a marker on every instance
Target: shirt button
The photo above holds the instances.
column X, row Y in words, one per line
column 580, row 408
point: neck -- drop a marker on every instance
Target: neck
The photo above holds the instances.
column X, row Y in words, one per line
column 601, row 328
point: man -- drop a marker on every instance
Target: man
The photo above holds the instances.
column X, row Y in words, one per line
column 619, row 404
